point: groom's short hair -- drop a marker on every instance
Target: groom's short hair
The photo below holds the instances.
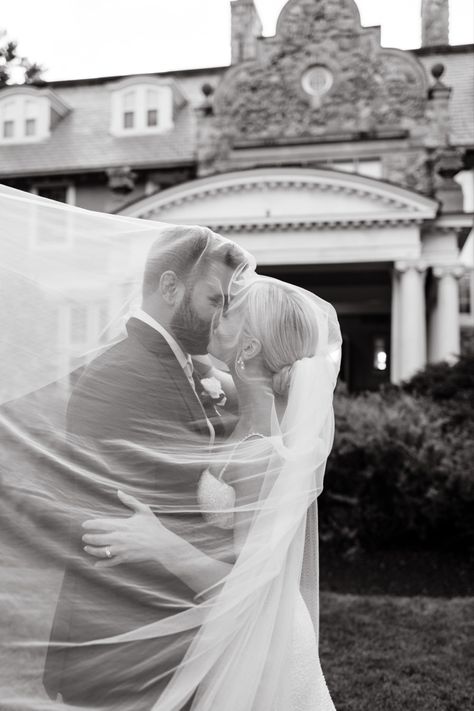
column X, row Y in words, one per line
column 188, row 252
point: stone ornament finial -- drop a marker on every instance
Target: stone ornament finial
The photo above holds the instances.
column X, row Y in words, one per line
column 439, row 89
column 246, row 28
column 434, row 23
column 207, row 107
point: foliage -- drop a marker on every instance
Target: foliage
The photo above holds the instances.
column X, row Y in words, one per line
column 10, row 61
column 444, row 382
column 400, row 473
column 467, row 340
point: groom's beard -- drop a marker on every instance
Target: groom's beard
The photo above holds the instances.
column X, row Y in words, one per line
column 191, row 331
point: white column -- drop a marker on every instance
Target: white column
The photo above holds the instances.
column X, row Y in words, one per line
column 411, row 346
column 395, row 328
column 444, row 330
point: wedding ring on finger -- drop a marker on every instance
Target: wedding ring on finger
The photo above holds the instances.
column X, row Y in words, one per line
column 108, row 553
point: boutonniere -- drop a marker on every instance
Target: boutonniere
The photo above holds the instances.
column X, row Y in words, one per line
column 212, row 392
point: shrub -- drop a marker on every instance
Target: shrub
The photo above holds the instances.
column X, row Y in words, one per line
column 400, row 473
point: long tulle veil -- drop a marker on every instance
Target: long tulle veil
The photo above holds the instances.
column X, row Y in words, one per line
column 73, row 429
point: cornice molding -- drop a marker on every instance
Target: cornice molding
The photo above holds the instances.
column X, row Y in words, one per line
column 394, row 205
column 292, row 225
column 275, row 184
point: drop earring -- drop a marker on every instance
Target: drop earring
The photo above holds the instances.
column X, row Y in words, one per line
column 240, row 363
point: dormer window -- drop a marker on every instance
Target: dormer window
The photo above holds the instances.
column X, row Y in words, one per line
column 144, row 105
column 28, row 114
column 21, row 118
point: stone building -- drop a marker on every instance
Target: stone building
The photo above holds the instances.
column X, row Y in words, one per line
column 342, row 165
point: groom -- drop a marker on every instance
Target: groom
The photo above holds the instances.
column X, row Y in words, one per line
column 130, row 404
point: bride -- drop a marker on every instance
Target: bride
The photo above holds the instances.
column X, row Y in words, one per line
column 280, row 344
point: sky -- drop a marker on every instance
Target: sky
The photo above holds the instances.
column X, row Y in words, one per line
column 87, row 38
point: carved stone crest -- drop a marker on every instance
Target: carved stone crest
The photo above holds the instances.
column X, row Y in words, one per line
column 321, row 74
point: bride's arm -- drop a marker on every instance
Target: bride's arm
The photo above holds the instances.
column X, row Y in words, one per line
column 143, row 538
column 247, row 479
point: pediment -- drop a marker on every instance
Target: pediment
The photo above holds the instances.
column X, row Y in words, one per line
column 267, row 199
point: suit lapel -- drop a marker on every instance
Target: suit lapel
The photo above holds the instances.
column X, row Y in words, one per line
column 155, row 342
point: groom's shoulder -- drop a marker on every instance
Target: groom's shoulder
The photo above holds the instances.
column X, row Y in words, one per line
column 122, row 364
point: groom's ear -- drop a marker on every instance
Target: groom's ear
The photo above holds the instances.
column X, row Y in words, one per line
column 171, row 288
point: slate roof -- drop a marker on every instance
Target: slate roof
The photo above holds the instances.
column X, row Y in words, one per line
column 459, row 75
column 81, row 141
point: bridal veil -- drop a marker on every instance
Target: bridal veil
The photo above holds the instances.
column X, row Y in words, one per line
column 69, row 281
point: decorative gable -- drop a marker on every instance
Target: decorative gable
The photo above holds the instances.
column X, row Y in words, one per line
column 321, row 75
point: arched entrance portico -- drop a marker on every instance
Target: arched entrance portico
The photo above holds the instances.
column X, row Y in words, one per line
column 365, row 245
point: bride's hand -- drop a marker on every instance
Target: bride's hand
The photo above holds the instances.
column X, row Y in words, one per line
column 141, row 537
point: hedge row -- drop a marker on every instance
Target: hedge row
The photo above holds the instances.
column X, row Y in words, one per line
column 401, row 471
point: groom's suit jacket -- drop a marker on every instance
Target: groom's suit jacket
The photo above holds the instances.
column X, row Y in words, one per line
column 136, row 392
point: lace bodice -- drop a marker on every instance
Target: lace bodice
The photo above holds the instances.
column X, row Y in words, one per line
column 216, row 498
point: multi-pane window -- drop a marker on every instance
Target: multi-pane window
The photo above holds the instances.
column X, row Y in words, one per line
column 152, row 104
column 30, row 127
column 52, row 234
column 152, row 117
column 8, row 119
column 59, row 192
column 31, row 118
column 142, row 109
column 129, row 109
column 23, row 118
column 8, row 129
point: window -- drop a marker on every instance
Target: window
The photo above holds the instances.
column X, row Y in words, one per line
column 152, row 117
column 8, row 119
column 60, row 193
column 143, row 107
column 8, row 129
column 30, row 127
column 380, row 354
column 28, row 114
column 128, row 119
column 31, row 117
column 129, row 108
column 24, row 118
column 152, row 105
column 57, row 234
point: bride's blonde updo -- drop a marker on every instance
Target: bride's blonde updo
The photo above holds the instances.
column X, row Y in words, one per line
column 282, row 320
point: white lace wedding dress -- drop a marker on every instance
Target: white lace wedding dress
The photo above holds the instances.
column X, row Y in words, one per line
column 308, row 689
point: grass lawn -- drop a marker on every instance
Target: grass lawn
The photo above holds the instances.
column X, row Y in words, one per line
column 378, row 652
column 387, row 653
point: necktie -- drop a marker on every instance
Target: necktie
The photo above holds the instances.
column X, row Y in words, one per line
column 189, row 369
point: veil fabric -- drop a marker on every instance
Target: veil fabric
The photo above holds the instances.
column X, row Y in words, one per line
column 91, row 401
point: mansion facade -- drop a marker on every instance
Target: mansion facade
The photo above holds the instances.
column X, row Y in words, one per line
column 343, row 166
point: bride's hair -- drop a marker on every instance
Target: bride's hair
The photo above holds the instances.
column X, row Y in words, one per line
column 282, row 320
